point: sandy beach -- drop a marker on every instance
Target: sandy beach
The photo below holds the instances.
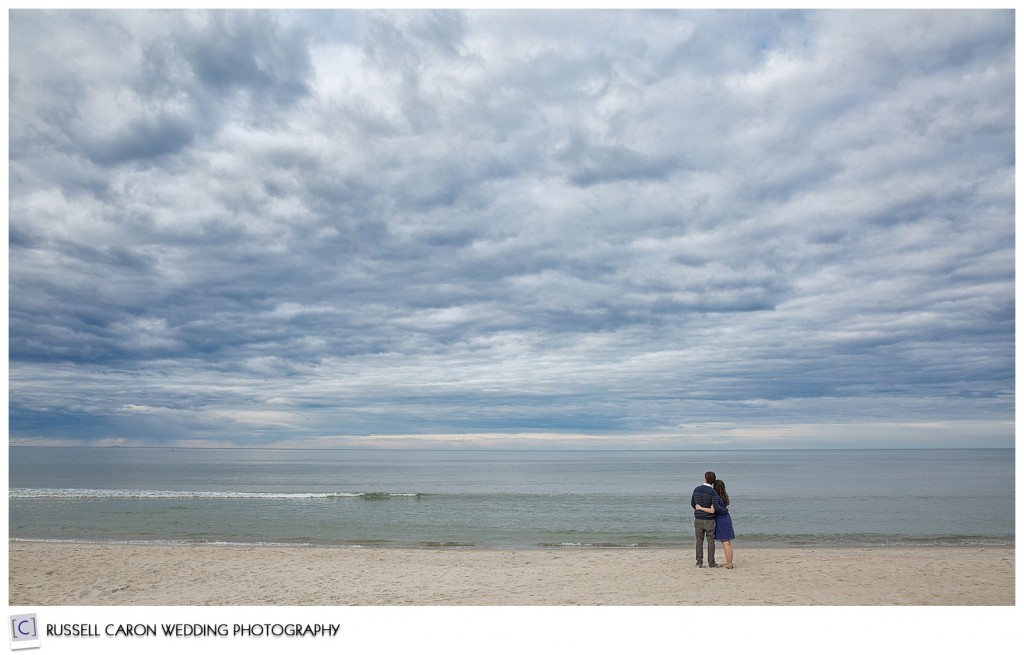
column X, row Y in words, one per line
column 44, row 573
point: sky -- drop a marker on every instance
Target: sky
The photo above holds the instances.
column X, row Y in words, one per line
column 512, row 229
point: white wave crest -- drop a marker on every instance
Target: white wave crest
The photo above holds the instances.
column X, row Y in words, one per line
column 162, row 494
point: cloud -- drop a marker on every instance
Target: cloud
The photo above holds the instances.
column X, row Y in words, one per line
column 282, row 227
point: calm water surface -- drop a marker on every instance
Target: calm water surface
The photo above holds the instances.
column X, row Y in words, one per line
column 508, row 499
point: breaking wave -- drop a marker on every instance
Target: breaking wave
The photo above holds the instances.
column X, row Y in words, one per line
column 72, row 494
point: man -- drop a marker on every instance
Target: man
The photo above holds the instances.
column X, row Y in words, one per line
column 703, row 522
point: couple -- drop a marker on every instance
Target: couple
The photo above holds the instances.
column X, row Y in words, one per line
column 711, row 519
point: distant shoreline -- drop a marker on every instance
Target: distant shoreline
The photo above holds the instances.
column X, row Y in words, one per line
column 485, row 449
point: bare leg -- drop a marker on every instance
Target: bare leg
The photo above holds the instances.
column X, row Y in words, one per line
column 727, row 545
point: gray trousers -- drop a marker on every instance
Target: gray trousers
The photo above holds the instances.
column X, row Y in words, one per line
column 705, row 528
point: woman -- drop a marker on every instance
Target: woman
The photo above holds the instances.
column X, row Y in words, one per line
column 723, row 523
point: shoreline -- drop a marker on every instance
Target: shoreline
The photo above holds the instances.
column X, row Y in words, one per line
column 50, row 573
column 759, row 545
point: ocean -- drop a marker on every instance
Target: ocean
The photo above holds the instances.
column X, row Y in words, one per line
column 507, row 499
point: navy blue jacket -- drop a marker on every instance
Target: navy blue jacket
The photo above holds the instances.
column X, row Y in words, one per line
column 706, row 496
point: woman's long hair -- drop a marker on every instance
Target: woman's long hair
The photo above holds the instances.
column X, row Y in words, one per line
column 720, row 488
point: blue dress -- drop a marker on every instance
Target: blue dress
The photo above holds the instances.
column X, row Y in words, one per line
column 723, row 527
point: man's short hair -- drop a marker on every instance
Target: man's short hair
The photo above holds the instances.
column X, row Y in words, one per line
column 710, row 477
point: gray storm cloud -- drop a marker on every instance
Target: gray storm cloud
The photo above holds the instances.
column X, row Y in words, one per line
column 255, row 227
